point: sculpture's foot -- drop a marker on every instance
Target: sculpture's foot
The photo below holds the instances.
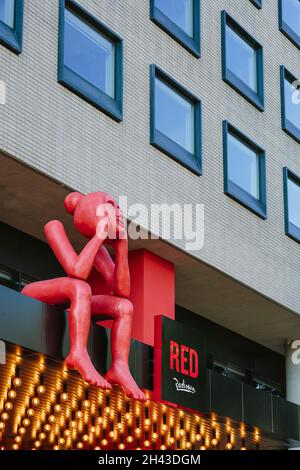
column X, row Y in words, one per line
column 81, row 362
column 120, row 375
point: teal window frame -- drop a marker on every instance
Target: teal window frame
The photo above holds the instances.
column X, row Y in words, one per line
column 285, row 28
column 192, row 44
column 113, row 107
column 291, row 230
column 288, row 127
column 257, row 3
column 257, row 99
column 235, row 192
column 159, row 140
column 12, row 38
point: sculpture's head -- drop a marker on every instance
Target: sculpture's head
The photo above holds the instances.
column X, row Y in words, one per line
column 88, row 210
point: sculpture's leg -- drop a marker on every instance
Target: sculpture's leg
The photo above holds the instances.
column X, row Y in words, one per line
column 78, row 293
column 121, row 311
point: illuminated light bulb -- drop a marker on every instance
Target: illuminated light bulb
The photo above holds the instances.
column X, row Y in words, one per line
column 61, row 441
column 182, row 432
column 154, row 436
column 2, row 425
column 51, row 419
column 138, row 448
column 35, row 401
column 2, row 448
column 120, row 426
column 15, row 446
column 79, row 414
column 56, row 447
column 42, row 436
column 79, row 445
column 121, row 446
column 99, row 419
column 107, row 410
column 41, row 389
column 73, row 424
column 188, row 445
column 85, row 438
column 129, row 439
column 165, row 427
column 67, row 432
column 147, row 443
column 64, row 396
column 86, row 404
column 214, row 442
column 92, row 429
column 147, row 422
column 30, row 412
column 111, row 434
column 229, row 446
column 104, row 442
column 12, row 394
column 47, row 427
column 202, row 448
column 5, row 416
column 17, row 382
column 26, row 422
column 243, row 448
column 198, row 437
column 18, row 439
column 37, row 444
column 9, row 406
column 171, row 440
column 127, row 416
column 97, row 448
column 162, row 447
column 137, row 431
column 22, row 431
column 57, row 408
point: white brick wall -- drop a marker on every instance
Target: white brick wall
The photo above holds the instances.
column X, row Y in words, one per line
column 53, row 130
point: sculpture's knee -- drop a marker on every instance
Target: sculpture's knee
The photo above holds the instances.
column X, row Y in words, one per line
column 80, row 291
column 125, row 309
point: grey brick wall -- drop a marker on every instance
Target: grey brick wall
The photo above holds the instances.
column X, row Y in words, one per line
column 56, row 132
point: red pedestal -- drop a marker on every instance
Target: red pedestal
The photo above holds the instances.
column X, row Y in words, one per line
column 152, row 292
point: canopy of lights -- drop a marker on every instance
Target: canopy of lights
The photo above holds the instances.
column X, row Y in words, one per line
column 43, row 406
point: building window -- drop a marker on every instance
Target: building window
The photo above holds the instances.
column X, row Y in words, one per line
column 289, row 20
column 292, row 204
column 244, row 170
column 175, row 120
column 180, row 19
column 242, row 62
column 11, row 24
column 257, row 3
column 90, row 59
column 231, row 372
column 290, row 106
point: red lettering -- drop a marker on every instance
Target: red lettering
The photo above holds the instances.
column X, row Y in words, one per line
column 194, row 364
column 174, row 356
column 184, row 360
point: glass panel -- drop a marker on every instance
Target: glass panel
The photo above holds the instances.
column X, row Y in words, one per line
column 7, row 12
column 292, row 108
column 243, row 166
column 291, row 14
column 174, row 116
column 294, row 202
column 89, row 54
column 241, row 59
column 180, row 12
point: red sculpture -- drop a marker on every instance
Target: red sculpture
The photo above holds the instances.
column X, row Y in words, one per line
column 97, row 217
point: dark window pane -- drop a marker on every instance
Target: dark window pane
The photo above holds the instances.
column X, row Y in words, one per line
column 179, row 11
column 89, row 54
column 291, row 14
column 243, row 166
column 292, row 107
column 294, row 202
column 7, row 12
column 241, row 59
column 174, row 116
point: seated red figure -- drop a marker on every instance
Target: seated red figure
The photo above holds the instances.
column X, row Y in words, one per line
column 98, row 218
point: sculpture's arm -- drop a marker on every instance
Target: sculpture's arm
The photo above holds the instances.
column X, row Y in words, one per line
column 121, row 274
column 105, row 266
column 78, row 266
